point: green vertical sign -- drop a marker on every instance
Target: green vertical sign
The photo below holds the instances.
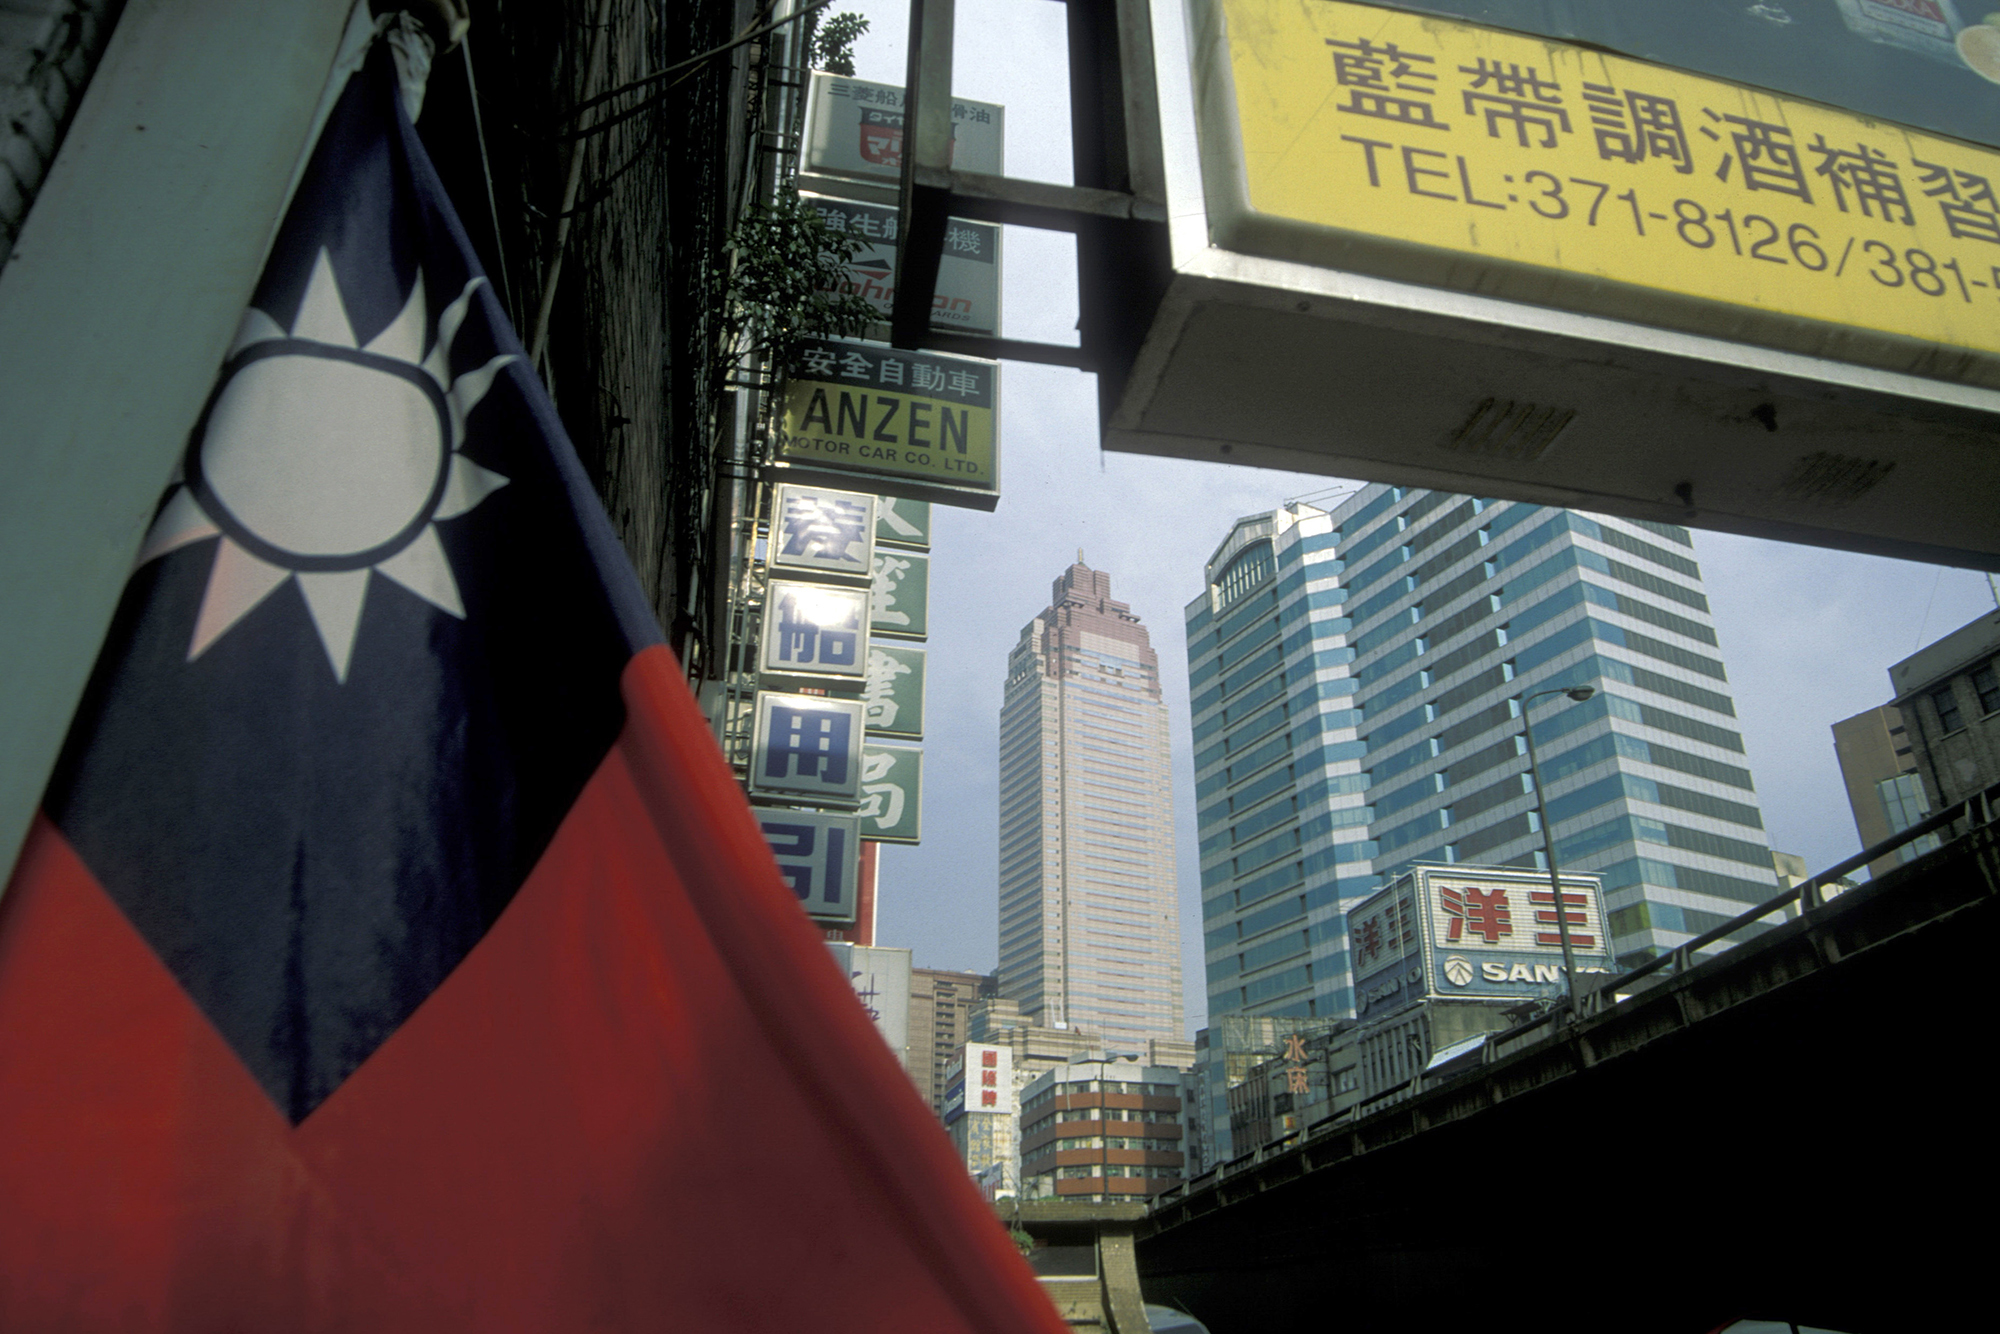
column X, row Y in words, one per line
column 892, row 792
column 893, row 695
column 900, row 601
column 903, row 523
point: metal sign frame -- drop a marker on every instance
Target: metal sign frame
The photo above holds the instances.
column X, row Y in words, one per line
column 1117, row 208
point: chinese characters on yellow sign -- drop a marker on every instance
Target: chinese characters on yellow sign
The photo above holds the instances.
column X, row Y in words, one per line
column 1402, row 145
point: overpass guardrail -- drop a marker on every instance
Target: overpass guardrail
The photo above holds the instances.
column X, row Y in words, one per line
column 1979, row 811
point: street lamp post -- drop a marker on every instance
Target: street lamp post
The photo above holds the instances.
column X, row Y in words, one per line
column 1578, row 694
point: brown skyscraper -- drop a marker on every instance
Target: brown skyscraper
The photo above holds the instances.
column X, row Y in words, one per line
column 1089, row 918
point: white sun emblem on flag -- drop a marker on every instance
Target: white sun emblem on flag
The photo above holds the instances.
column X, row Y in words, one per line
column 322, row 461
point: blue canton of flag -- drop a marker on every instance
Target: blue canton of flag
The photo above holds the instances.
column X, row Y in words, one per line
column 331, row 729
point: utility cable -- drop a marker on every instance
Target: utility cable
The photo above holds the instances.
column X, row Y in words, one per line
column 486, row 165
column 675, row 68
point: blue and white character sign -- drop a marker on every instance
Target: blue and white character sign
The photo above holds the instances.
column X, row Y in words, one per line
column 807, row 748
column 815, row 630
column 822, row 532
column 819, row 854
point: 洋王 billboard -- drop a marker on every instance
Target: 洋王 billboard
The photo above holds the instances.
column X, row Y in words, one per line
column 1472, row 933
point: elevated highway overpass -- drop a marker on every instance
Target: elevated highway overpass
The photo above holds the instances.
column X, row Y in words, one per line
column 1793, row 1130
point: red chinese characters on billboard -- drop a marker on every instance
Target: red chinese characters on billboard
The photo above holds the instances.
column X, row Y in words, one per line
column 1514, row 917
column 1384, row 934
column 1297, row 1079
column 1575, row 914
column 1476, row 912
column 1368, row 940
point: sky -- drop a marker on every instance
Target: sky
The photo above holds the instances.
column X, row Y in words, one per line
column 1807, row 634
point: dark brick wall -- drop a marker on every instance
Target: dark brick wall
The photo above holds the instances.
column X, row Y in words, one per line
column 633, row 355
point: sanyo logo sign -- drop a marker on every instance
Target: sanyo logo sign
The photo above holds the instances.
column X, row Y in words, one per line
column 1458, row 970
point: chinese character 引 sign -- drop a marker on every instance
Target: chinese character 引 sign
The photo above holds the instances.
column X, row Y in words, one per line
column 1405, row 145
column 818, row 855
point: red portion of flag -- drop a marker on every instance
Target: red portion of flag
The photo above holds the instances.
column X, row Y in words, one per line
column 647, row 1099
column 146, row 1180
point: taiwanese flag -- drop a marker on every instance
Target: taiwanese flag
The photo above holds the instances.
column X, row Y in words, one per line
column 394, row 950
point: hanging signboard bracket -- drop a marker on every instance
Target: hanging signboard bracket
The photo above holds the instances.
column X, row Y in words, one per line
column 1117, row 208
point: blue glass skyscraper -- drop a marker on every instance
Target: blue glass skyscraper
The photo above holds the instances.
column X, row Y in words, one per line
column 1279, row 779
column 1356, row 676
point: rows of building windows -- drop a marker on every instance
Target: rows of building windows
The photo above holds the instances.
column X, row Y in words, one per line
column 1120, row 1172
column 1143, row 1143
column 1436, row 588
column 1568, row 806
column 1127, row 1088
column 1945, row 700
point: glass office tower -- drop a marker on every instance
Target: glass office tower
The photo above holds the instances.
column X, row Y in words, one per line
column 1460, row 608
column 1089, row 917
column 1279, row 778
column 1356, row 678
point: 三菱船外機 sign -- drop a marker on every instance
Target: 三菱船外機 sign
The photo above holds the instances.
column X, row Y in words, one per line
column 854, row 128
column 1432, row 151
column 921, row 425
